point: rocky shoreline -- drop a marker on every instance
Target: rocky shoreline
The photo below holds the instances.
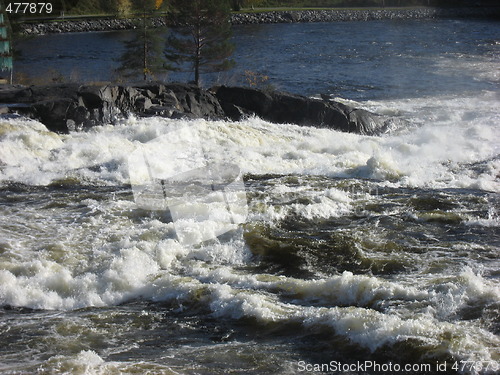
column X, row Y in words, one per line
column 71, row 107
column 333, row 15
column 336, row 15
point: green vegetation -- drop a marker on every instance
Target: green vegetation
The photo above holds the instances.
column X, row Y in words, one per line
column 115, row 7
column 86, row 7
column 144, row 54
column 202, row 36
column 134, row 6
column 126, row 8
column 245, row 4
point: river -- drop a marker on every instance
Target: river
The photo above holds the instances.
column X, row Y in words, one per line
column 351, row 254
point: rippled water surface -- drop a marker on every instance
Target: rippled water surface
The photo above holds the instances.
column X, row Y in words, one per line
column 355, row 60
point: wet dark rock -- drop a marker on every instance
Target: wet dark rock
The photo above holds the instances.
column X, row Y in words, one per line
column 161, row 111
column 55, row 112
column 15, row 94
column 63, row 108
column 283, row 108
column 196, row 101
column 69, row 107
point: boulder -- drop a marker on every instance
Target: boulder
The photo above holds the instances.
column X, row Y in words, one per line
column 55, row 112
column 10, row 94
column 68, row 107
column 280, row 107
column 103, row 105
column 53, row 91
column 195, row 101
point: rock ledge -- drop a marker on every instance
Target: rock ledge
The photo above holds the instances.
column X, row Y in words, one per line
column 71, row 107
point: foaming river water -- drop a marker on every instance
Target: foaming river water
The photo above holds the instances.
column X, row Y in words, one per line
column 358, row 254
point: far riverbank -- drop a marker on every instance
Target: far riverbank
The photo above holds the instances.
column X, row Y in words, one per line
column 284, row 16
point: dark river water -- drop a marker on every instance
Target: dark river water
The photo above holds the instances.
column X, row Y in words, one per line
column 355, row 60
column 320, row 252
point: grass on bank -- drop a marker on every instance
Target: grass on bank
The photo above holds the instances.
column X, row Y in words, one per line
column 86, row 7
column 282, row 9
column 132, row 8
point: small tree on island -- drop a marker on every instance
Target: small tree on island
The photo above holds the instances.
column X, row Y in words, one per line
column 202, row 35
column 144, row 54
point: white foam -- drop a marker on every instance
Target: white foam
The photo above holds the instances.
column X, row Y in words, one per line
column 322, row 204
column 452, row 133
column 88, row 362
column 126, row 261
column 480, row 67
column 363, row 326
column 52, row 262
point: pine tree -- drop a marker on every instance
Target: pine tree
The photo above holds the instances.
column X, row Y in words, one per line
column 202, row 36
column 144, row 54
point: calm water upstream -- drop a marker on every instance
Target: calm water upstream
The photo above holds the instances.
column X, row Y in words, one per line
column 359, row 255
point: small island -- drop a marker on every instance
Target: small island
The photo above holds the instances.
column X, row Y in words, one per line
column 68, row 107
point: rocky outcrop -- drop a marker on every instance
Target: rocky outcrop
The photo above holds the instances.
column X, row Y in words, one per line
column 69, row 107
column 280, row 107
column 336, row 15
column 63, row 108
column 86, row 25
